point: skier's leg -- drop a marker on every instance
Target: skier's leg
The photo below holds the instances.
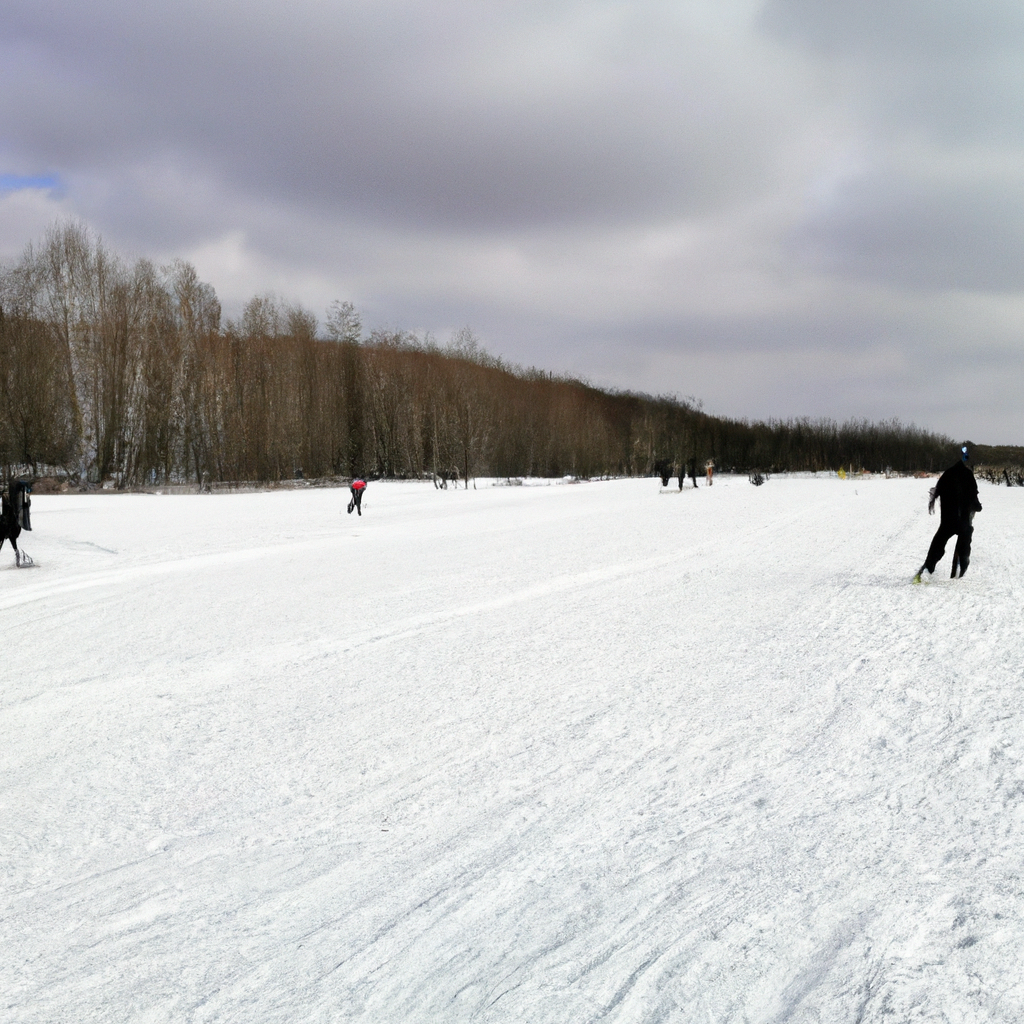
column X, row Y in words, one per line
column 963, row 545
column 11, row 529
column 938, row 545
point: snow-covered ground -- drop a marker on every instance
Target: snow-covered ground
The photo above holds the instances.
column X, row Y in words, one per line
column 547, row 754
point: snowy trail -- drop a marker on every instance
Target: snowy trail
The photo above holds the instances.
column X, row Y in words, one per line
column 542, row 753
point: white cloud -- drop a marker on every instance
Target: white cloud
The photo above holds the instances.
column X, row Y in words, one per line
column 25, row 214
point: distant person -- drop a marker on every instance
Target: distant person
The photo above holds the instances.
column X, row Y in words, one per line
column 15, row 506
column 710, row 467
column 957, row 491
column 356, row 487
column 693, row 471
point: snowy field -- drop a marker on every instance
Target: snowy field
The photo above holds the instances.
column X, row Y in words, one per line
column 534, row 754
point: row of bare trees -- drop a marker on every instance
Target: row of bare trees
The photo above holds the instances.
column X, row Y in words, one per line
column 123, row 371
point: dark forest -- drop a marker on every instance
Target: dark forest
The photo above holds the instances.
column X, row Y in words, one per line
column 121, row 371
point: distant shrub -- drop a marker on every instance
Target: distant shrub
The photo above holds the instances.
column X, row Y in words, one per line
column 1012, row 476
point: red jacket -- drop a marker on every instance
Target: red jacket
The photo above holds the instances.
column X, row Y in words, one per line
column 358, row 485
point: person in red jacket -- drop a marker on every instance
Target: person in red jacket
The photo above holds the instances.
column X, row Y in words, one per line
column 357, row 487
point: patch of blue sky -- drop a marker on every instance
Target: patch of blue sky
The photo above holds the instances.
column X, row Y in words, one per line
column 21, row 182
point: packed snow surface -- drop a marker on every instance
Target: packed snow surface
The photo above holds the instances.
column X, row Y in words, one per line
column 552, row 753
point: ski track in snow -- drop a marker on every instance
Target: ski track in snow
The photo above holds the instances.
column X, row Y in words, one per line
column 588, row 753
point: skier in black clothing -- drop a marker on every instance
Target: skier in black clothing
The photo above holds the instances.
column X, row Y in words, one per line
column 957, row 491
column 15, row 516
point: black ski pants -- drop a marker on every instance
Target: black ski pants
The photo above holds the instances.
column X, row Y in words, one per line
column 963, row 530
column 10, row 529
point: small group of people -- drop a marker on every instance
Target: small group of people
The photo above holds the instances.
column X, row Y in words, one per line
column 665, row 469
column 957, row 494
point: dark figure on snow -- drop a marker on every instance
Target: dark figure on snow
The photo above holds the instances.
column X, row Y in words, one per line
column 957, row 491
column 14, row 517
column 356, row 487
column 693, row 472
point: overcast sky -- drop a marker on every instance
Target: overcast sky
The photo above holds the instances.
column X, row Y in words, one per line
column 782, row 208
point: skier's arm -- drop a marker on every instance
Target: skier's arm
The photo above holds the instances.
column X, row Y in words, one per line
column 975, row 504
column 931, row 500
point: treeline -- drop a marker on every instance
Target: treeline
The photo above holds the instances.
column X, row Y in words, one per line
column 1002, row 464
column 123, row 371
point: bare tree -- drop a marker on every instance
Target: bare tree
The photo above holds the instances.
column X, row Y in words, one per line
column 343, row 323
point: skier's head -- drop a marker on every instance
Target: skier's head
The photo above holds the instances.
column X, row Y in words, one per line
column 965, row 453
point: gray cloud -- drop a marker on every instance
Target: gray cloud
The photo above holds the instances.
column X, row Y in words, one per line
column 788, row 207
column 950, row 69
column 922, row 231
column 423, row 113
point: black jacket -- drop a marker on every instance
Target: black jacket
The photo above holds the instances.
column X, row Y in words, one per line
column 957, row 491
